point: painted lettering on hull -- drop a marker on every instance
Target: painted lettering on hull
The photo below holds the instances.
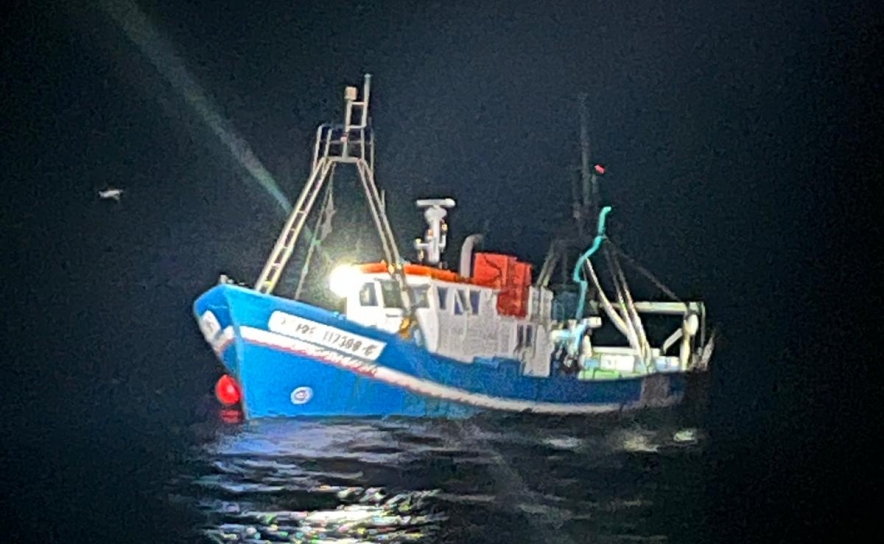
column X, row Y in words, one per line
column 325, row 335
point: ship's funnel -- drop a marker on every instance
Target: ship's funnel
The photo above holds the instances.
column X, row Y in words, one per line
column 466, row 254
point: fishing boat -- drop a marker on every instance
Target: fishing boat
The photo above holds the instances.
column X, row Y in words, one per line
column 418, row 339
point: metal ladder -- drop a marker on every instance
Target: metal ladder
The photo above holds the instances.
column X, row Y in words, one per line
column 350, row 143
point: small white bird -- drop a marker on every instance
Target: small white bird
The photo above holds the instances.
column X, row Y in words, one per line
column 111, row 193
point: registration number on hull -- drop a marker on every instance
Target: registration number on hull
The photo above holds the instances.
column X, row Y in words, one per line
column 324, row 335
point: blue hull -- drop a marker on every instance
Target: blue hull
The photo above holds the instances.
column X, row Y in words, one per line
column 292, row 359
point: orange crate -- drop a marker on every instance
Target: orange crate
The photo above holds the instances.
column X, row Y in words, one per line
column 522, row 274
column 493, row 269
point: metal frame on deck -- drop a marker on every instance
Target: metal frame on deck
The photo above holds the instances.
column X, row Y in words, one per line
column 350, row 143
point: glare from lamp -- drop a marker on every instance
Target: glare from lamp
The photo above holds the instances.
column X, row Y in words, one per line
column 342, row 279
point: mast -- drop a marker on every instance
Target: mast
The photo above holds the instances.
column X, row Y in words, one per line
column 350, row 143
column 589, row 183
column 576, row 235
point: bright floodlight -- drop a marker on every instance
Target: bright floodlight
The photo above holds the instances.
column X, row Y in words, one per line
column 342, row 279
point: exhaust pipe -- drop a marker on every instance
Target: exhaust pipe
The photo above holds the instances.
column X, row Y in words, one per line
column 466, row 254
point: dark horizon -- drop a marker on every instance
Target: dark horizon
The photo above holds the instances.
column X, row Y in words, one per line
column 734, row 137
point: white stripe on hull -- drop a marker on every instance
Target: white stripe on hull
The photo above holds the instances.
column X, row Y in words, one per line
column 434, row 389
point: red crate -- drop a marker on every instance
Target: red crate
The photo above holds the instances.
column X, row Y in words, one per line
column 493, row 269
column 522, row 275
column 513, row 301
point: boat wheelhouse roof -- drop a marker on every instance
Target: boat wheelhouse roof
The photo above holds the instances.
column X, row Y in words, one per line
column 430, row 272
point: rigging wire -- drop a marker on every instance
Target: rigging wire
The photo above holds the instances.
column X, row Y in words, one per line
column 314, row 239
column 632, row 336
column 606, row 304
column 644, row 346
column 643, row 271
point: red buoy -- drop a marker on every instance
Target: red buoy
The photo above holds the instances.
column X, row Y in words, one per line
column 227, row 390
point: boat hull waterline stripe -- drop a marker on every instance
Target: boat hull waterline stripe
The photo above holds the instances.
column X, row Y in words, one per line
column 429, row 388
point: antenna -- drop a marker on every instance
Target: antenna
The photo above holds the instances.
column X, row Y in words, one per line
column 437, row 231
column 589, row 184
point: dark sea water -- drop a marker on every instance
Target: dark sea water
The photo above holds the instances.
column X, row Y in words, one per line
column 108, row 460
column 506, row 479
column 490, row 480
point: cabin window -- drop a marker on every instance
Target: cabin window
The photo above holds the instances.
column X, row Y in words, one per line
column 460, row 303
column 474, row 301
column 529, row 335
column 367, row 295
column 443, row 297
column 420, row 297
column 390, row 294
column 520, row 336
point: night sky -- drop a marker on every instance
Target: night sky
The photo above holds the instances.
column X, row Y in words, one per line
column 737, row 136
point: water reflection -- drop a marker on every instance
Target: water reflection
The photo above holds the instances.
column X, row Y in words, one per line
column 365, row 515
column 503, row 480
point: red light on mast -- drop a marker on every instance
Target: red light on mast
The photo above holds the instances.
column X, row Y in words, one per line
column 599, row 169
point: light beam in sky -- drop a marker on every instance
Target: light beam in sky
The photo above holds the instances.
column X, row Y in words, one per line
column 161, row 53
